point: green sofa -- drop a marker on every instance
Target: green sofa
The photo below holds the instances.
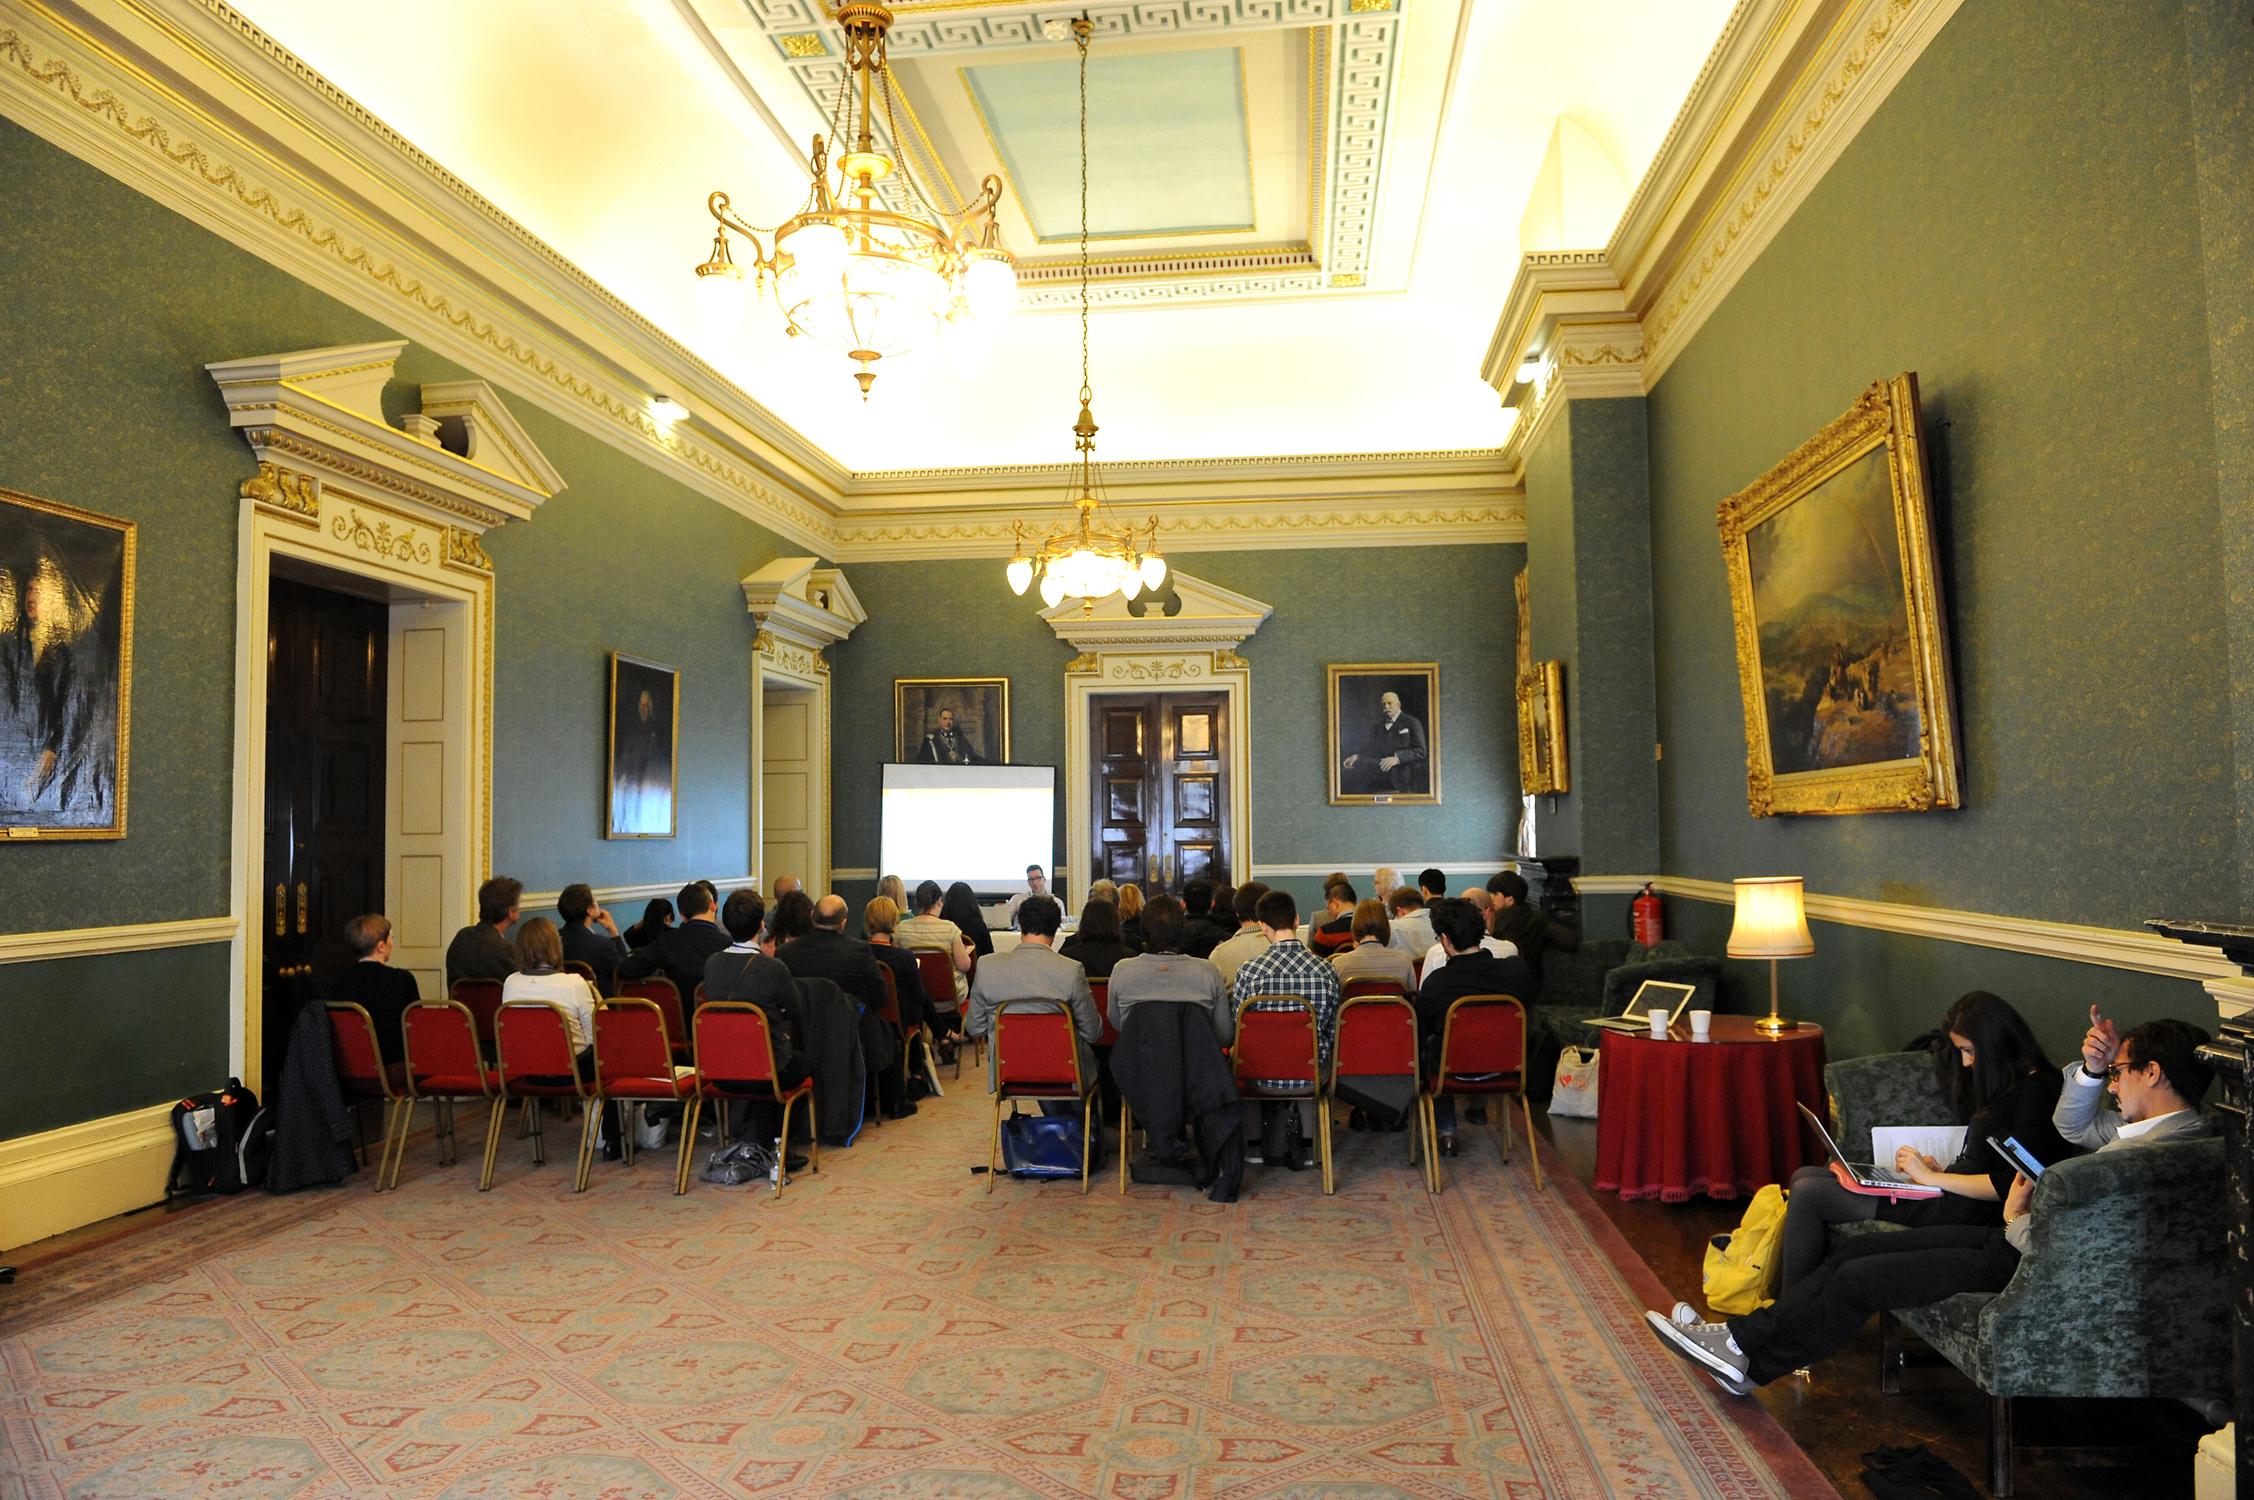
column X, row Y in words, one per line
column 1597, row 979
column 2123, row 1290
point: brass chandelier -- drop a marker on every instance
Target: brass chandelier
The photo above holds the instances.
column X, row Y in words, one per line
column 845, row 270
column 1087, row 559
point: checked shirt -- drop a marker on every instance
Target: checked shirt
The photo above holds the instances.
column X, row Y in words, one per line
column 1287, row 968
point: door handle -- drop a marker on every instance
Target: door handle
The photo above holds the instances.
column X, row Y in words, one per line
column 301, row 908
column 1170, row 869
column 281, row 909
column 1152, row 877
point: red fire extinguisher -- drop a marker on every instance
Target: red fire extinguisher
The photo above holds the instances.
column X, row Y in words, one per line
column 1649, row 926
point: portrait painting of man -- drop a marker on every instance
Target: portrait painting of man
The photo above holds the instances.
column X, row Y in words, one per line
column 951, row 721
column 645, row 726
column 66, row 669
column 1384, row 732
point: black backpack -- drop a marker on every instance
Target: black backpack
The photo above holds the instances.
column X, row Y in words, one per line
column 220, row 1142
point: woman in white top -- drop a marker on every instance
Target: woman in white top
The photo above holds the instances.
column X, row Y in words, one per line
column 541, row 976
column 928, row 929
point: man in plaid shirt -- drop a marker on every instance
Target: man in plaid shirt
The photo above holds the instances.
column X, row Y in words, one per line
column 1287, row 968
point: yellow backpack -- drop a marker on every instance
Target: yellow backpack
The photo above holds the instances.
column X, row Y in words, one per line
column 1741, row 1265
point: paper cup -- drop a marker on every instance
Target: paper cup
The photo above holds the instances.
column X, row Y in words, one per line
column 1702, row 1022
column 1658, row 1019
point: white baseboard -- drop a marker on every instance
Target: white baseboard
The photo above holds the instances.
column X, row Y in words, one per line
column 84, row 1173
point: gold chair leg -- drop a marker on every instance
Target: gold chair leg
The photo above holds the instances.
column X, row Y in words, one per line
column 1330, row 1162
column 493, row 1119
column 813, row 1134
column 1432, row 1144
column 782, row 1149
column 404, row 1108
column 539, row 1133
column 589, row 1123
column 1126, row 1142
column 1500, row 1114
column 994, row 1141
column 1533, row 1155
column 1087, row 1139
column 692, row 1107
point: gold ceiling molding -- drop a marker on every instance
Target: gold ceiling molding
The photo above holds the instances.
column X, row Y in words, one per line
column 1228, row 526
column 1783, row 92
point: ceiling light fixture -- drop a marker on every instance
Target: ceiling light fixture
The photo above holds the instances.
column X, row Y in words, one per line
column 846, row 270
column 1087, row 560
column 665, row 411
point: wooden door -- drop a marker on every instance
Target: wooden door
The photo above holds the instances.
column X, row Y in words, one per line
column 1161, row 789
column 325, row 707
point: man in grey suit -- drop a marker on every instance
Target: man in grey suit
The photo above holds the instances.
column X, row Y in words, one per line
column 1033, row 970
column 2149, row 1074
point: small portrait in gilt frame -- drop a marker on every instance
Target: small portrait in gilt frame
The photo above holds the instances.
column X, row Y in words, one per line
column 645, row 740
column 951, row 721
column 1842, row 644
column 1541, row 730
column 1384, row 733
column 66, row 669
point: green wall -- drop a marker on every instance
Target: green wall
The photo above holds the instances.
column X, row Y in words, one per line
column 1447, row 604
column 2018, row 225
column 114, row 305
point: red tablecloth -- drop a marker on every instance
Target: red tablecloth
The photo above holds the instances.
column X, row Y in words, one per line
column 1681, row 1117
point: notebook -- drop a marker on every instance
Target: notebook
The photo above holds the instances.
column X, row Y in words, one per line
column 1863, row 1173
column 1651, row 995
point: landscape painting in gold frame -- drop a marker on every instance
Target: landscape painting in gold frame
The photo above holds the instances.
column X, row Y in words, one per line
column 1541, row 730
column 1842, row 644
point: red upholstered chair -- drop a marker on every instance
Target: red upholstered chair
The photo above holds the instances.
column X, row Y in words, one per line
column 1276, row 1058
column 634, row 1064
column 666, row 996
column 445, row 1063
column 1416, row 967
column 937, row 966
column 582, row 968
column 483, row 997
column 1377, row 1038
column 912, row 1041
column 736, row 1060
column 1101, row 989
column 1037, row 1056
column 1483, row 1051
column 1357, row 988
column 363, row 1075
column 538, row 1061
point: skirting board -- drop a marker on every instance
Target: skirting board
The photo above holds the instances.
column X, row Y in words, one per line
column 2112, row 947
column 84, row 1173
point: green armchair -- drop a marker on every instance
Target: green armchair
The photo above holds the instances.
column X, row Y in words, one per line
column 1597, row 979
column 2142, row 1230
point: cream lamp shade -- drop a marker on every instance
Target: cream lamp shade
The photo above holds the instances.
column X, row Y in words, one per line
column 1772, row 921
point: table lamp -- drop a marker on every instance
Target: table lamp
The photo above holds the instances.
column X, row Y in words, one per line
column 1772, row 924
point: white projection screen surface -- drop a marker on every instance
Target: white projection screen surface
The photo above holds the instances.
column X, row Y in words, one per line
column 980, row 824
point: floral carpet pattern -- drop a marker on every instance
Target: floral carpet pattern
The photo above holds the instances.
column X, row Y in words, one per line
column 884, row 1329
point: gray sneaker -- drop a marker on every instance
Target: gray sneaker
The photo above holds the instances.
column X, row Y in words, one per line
column 1684, row 1315
column 1707, row 1345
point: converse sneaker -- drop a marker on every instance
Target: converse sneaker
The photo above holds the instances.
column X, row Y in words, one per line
column 1683, row 1316
column 1707, row 1345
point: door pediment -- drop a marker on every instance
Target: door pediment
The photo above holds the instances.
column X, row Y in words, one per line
column 1209, row 617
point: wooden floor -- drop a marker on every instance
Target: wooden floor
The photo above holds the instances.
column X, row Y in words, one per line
column 1835, row 1412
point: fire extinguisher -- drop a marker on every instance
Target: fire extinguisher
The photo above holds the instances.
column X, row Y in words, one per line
column 1648, row 924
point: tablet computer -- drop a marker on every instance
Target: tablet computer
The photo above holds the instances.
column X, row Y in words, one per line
column 2019, row 1156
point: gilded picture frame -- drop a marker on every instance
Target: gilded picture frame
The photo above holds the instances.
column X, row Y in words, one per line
column 1383, row 754
column 66, row 670
column 977, row 709
column 1542, row 765
column 1842, row 639
column 642, row 779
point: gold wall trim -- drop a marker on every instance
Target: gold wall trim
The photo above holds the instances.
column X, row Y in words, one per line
column 81, row 1174
column 133, row 937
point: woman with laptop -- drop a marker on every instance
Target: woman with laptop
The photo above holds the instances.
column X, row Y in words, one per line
column 2002, row 1086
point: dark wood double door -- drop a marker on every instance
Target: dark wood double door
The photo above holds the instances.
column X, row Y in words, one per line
column 1161, row 792
column 325, row 723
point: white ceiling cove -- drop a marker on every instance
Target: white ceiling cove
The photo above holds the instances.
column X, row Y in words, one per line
column 1310, row 223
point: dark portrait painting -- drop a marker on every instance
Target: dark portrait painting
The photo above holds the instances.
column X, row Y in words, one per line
column 645, row 726
column 1384, row 732
column 66, row 669
column 951, row 721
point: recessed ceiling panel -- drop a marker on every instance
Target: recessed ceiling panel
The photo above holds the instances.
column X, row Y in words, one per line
column 1169, row 129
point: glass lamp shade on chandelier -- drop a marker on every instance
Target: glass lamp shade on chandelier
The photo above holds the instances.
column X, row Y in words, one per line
column 1089, row 558
column 849, row 272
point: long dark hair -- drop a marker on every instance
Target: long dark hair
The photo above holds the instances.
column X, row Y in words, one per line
column 656, row 917
column 1099, row 923
column 961, row 908
column 2004, row 1051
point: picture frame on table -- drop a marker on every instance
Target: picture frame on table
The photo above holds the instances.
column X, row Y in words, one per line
column 1842, row 639
column 66, row 669
column 1384, row 733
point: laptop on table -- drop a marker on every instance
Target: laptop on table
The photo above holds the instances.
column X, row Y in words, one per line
column 1651, row 995
column 1865, row 1174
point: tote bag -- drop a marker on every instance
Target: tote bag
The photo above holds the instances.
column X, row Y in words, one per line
column 1575, row 1093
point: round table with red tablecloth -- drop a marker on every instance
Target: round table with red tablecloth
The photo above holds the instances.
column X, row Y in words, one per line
column 1680, row 1117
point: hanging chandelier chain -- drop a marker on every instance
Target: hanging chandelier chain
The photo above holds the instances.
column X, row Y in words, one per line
column 1080, row 32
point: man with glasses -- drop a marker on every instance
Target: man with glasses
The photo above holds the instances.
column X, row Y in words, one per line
column 2155, row 1076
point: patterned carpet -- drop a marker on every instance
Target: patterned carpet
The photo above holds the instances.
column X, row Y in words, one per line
column 884, row 1329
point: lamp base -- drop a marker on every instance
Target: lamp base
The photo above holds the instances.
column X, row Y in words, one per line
column 1774, row 1025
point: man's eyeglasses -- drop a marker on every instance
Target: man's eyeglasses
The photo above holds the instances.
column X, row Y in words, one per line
column 2114, row 1073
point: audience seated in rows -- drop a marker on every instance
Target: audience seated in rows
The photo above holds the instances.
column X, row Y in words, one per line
column 1130, row 903
column 822, row 950
column 1035, row 971
column 1384, row 881
column 1202, row 932
column 1336, row 930
column 1432, row 884
column 2157, row 1079
column 1412, row 928
column 747, row 970
column 1471, row 970
column 679, row 953
column 1164, row 973
column 656, row 917
column 1250, row 939
column 960, row 906
column 590, row 936
column 1373, row 955
column 1288, row 968
column 893, row 889
column 482, row 950
column 541, row 978
column 1095, row 944
column 880, row 921
column 1514, row 919
column 1104, row 890
column 371, row 983
column 928, row 929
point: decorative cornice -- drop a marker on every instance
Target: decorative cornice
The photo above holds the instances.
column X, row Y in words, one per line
column 2112, row 947
column 1481, row 463
column 94, row 942
column 1212, row 528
